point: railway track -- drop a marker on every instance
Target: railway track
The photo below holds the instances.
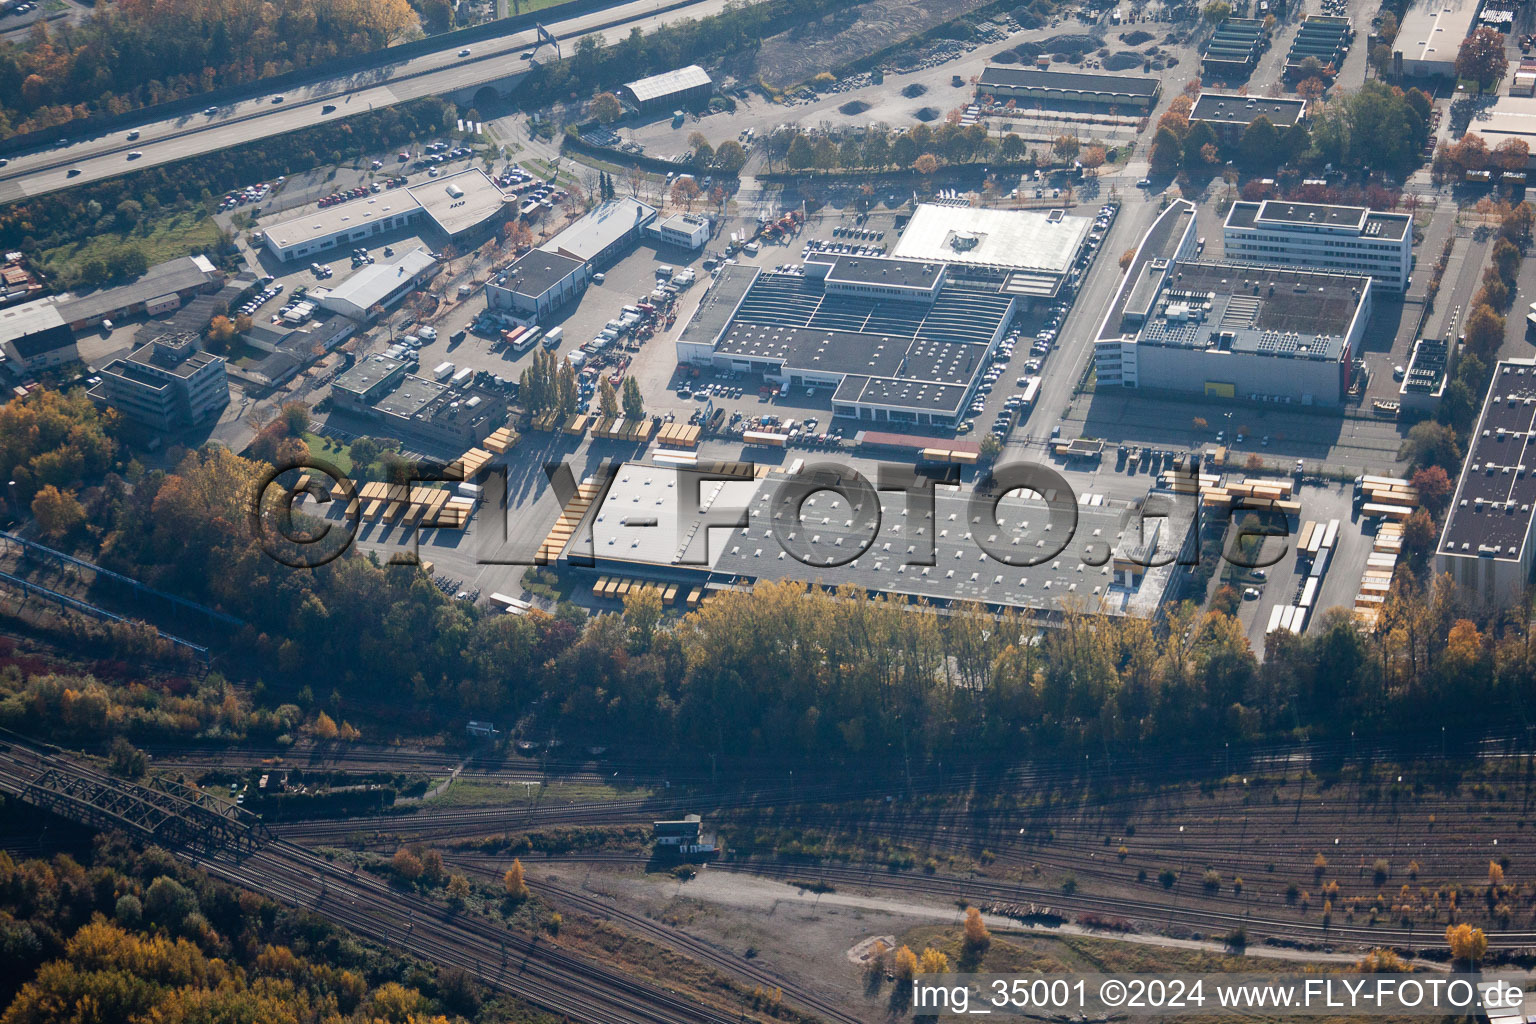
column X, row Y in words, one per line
column 999, row 896
column 527, row 967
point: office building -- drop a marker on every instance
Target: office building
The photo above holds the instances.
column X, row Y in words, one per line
column 1347, row 239
column 1228, row 330
column 166, row 385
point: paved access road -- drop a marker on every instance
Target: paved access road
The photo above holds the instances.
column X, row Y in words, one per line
column 258, row 116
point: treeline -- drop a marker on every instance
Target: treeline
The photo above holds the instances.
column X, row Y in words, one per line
column 81, row 213
column 131, row 936
column 137, row 53
column 804, row 676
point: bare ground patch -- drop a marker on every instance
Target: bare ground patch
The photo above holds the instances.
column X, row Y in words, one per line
column 845, row 36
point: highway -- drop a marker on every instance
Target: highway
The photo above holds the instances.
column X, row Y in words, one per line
column 259, row 117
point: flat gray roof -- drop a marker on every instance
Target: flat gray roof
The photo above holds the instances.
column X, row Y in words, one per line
column 898, row 273
column 537, row 271
column 413, row 395
column 719, row 306
column 1496, row 493
column 1285, row 313
column 178, row 275
column 1001, row 75
column 312, row 225
column 1230, row 108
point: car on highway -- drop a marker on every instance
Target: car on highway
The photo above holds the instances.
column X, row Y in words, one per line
column 74, row 172
column 277, row 99
column 3, row 161
column 464, row 52
column 133, row 135
column 329, row 108
column 135, row 155
column 210, row 111
column 526, row 55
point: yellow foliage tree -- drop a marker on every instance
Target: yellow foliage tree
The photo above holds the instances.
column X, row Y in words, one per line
column 324, row 727
column 513, row 881
column 906, row 965
column 977, row 937
column 1495, row 873
column 406, row 864
column 933, row 962
column 1467, row 943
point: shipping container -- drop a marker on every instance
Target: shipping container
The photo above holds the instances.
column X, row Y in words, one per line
column 442, row 371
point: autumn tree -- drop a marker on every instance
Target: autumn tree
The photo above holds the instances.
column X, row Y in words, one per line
column 1485, row 332
column 1434, row 486
column 607, row 399
column 513, row 883
column 1481, row 58
column 685, row 192
column 926, row 164
column 905, row 966
column 406, row 864
column 58, row 513
column 458, row 890
column 977, row 937
column 1470, row 153
column 1127, row 258
column 1066, row 146
column 606, row 108
column 1468, row 944
column 933, row 961
column 1511, row 155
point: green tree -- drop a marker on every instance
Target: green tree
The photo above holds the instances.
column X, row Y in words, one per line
column 634, row 402
column 607, row 399
column 1167, row 152
column 1259, row 148
column 1433, row 444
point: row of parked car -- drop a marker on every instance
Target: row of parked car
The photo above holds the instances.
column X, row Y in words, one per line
column 250, row 194
column 840, row 248
column 261, row 298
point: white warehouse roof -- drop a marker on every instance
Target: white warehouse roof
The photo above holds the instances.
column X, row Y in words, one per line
column 667, row 83
column 372, row 284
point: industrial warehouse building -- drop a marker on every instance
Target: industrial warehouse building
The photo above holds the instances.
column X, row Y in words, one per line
column 896, row 343
column 1429, row 36
column 380, row 285
column 605, row 232
column 1029, row 87
column 538, row 284
column 161, row 289
column 166, row 385
column 1486, row 543
column 34, row 336
column 459, row 206
column 1347, row 239
column 1230, row 114
column 447, row 416
column 683, row 87
column 645, row 524
column 1227, row 330
column 1024, row 253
